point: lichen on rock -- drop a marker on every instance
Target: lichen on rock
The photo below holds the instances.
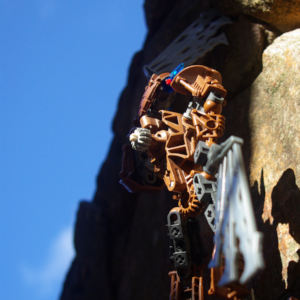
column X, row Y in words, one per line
column 288, row 248
column 274, row 111
column 281, row 14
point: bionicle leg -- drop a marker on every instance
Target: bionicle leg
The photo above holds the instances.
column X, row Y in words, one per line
column 196, row 292
column 186, row 252
column 234, row 291
column 197, row 287
column 176, row 287
column 180, row 245
column 172, row 275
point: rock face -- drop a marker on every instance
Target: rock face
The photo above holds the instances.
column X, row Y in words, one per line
column 120, row 238
column 274, row 143
column 280, row 14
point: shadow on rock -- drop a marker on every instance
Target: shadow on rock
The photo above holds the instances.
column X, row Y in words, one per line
column 285, row 209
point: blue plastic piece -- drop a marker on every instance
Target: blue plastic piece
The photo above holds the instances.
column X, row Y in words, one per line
column 176, row 71
column 166, row 83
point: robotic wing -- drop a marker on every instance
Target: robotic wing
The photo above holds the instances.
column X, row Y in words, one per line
column 235, row 222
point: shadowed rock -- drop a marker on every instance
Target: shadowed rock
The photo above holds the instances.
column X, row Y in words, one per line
column 120, row 238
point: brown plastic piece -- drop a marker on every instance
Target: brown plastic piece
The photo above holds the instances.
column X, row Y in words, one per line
column 172, row 148
column 195, row 292
column 176, row 287
column 150, row 123
column 235, row 291
column 150, row 93
column 197, row 288
column 199, row 81
column 174, row 139
column 208, row 126
column 212, row 107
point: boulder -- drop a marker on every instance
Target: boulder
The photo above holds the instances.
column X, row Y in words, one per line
column 280, row 14
column 267, row 117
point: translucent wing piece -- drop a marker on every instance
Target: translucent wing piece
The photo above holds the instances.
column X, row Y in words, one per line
column 235, row 222
column 194, row 42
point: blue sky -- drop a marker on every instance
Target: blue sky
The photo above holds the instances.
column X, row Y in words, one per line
column 63, row 65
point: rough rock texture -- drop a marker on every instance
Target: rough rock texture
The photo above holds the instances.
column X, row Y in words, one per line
column 120, row 238
column 288, row 248
column 269, row 123
column 274, row 114
column 281, row 14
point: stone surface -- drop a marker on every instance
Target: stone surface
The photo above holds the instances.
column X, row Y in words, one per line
column 275, row 139
column 274, row 111
column 281, row 14
column 90, row 263
column 268, row 121
column 288, row 248
column 120, row 238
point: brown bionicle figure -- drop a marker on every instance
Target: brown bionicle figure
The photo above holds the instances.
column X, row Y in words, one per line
column 173, row 148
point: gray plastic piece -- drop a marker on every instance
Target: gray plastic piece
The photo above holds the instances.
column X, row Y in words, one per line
column 235, row 222
column 204, row 188
column 198, row 39
column 180, row 244
column 200, row 155
column 191, row 106
column 206, row 191
column 218, row 152
column 216, row 98
column 145, row 169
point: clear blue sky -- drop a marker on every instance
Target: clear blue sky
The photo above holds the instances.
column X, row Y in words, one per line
column 63, row 64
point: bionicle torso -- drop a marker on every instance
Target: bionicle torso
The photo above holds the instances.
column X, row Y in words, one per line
column 174, row 142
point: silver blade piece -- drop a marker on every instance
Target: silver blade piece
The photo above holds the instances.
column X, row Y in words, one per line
column 236, row 229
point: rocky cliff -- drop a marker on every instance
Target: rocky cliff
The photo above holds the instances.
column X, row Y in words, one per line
column 120, row 238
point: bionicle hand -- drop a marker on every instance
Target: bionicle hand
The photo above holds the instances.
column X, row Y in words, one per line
column 140, row 139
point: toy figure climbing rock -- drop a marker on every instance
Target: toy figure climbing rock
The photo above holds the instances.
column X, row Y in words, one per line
column 181, row 152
